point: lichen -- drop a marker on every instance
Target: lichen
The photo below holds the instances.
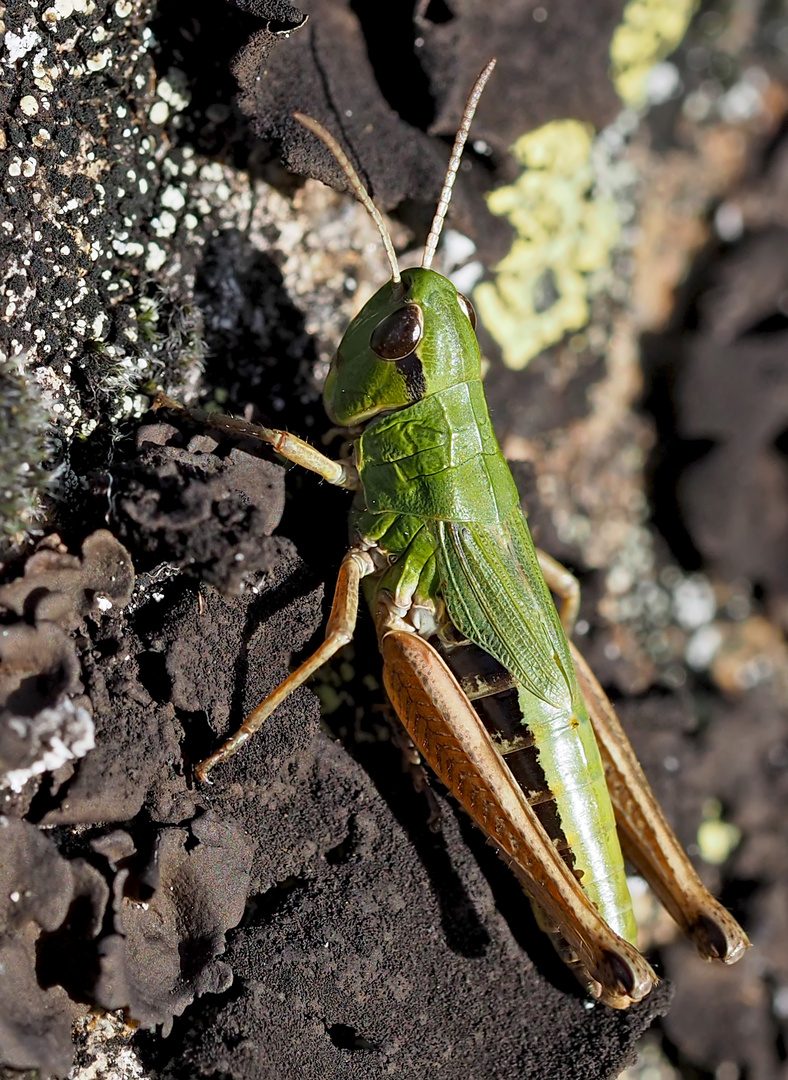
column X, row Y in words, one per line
column 564, row 234
column 58, row 735
column 567, row 223
column 649, row 31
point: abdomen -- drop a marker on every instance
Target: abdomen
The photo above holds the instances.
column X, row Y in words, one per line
column 573, row 809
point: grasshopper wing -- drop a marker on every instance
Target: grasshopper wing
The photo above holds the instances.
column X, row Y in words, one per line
column 496, row 595
column 497, row 598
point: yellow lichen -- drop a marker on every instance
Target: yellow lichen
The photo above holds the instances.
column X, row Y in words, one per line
column 717, row 839
column 648, row 32
column 540, row 290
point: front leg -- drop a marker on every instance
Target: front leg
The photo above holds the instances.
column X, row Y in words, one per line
column 340, row 473
column 356, row 565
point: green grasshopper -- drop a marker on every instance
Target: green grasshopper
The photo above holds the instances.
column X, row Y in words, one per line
column 476, row 658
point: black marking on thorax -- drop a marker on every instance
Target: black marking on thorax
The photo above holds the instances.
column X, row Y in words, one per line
column 410, row 367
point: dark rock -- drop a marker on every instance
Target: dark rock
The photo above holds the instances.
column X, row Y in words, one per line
column 36, row 890
column 211, row 516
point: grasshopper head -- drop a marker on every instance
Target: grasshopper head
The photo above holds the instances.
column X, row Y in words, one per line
column 414, row 337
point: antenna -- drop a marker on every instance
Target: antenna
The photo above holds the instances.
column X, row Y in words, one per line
column 360, row 191
column 454, row 164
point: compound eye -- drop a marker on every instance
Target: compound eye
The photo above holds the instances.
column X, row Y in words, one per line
column 468, row 309
column 396, row 336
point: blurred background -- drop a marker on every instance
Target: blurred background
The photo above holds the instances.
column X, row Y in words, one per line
column 621, row 223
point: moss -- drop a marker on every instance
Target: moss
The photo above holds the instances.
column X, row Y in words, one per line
column 24, row 449
column 181, row 347
column 156, row 340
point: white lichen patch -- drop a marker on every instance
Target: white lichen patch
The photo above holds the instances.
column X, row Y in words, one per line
column 98, row 61
column 694, row 602
column 58, row 397
column 155, row 258
column 173, row 89
column 703, row 647
column 159, row 112
column 135, row 209
column 45, row 74
column 105, row 1049
column 173, row 199
column 165, row 224
column 16, row 296
column 57, row 735
column 323, row 235
column 19, row 45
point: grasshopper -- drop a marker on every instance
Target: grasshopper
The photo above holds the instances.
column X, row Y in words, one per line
column 476, row 657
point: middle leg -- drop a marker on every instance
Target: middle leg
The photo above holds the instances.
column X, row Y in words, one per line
column 565, row 585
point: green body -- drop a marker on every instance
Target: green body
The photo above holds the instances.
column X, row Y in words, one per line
column 438, row 497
